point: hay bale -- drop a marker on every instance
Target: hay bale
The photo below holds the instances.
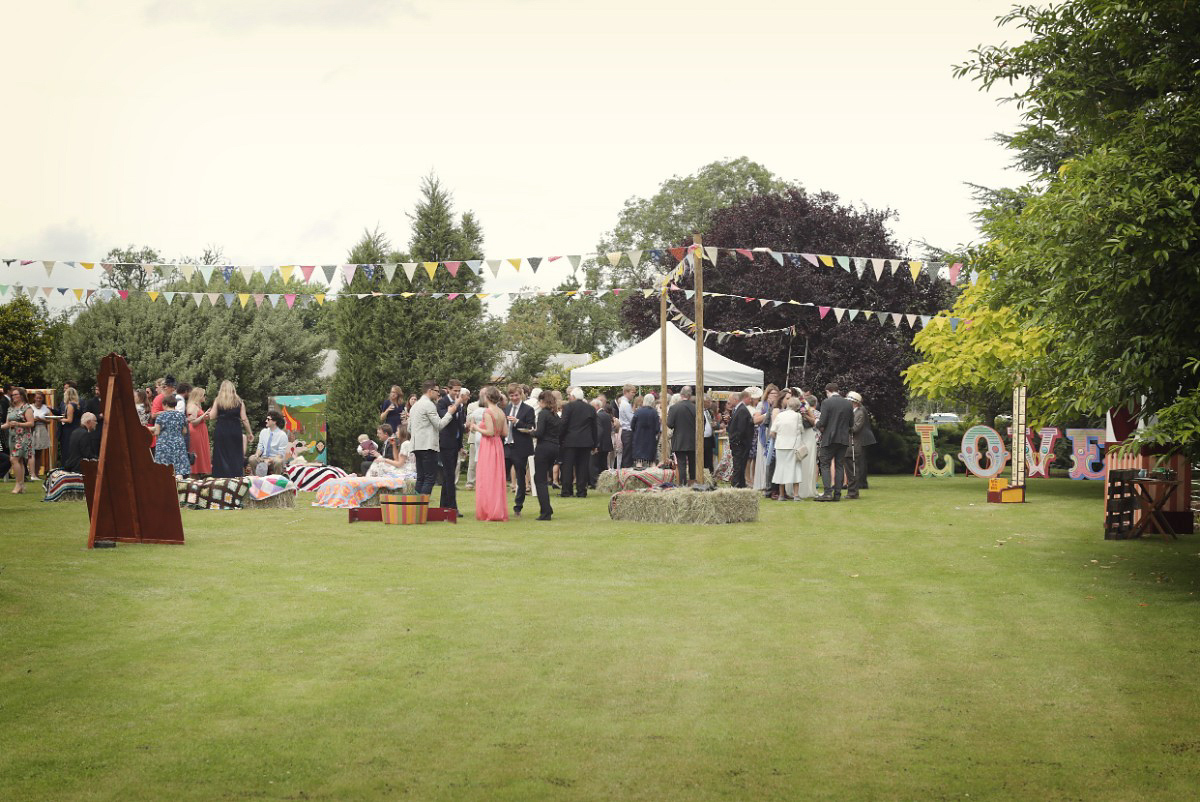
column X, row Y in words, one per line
column 682, row 506
column 279, row 501
column 608, row 482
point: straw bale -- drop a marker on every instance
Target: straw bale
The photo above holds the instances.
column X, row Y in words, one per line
column 284, row 500
column 683, row 506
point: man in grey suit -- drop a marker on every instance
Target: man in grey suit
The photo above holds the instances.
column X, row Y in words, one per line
column 681, row 419
column 425, row 426
column 837, row 416
column 861, row 436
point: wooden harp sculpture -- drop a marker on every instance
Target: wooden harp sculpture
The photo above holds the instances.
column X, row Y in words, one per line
column 130, row 497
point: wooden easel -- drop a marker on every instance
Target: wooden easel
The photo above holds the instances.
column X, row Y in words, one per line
column 130, row 497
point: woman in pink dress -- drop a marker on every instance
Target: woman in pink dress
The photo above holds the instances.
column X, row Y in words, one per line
column 197, row 419
column 491, row 500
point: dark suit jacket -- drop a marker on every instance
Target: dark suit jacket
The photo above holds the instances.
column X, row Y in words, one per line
column 79, row 448
column 860, row 431
column 837, row 416
column 451, row 435
column 741, row 430
column 522, row 444
column 604, row 424
column 579, row 425
column 681, row 418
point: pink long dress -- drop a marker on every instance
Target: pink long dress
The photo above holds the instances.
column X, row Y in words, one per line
column 491, row 489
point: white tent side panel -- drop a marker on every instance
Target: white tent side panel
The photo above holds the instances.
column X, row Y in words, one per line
column 642, row 364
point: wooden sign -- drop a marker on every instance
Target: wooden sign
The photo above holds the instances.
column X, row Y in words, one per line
column 131, row 498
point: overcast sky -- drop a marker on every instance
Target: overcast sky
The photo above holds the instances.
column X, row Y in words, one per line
column 280, row 129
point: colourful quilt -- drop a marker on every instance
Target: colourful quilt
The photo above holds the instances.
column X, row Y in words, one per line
column 309, row 477
column 63, row 485
column 212, row 494
column 354, row 491
column 264, row 487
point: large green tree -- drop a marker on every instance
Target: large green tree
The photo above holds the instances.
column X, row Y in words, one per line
column 404, row 341
column 28, row 335
column 127, row 272
column 1103, row 249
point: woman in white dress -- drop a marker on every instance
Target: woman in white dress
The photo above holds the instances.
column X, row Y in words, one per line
column 808, row 439
column 787, row 428
column 395, row 460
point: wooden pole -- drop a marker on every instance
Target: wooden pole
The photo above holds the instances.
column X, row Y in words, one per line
column 665, row 449
column 698, row 390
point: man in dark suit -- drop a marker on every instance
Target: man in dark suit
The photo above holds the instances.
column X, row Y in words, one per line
column 578, row 439
column 81, row 446
column 450, row 442
column 861, row 436
column 837, row 416
column 518, row 443
column 681, row 420
column 604, row 444
column 741, row 438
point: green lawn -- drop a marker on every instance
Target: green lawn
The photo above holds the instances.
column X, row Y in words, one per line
column 918, row 644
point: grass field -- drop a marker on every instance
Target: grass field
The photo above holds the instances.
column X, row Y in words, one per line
column 918, row 644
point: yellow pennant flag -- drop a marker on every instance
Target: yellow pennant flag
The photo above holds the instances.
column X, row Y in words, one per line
column 88, row 265
column 407, row 294
column 516, row 263
column 319, row 298
column 285, row 272
column 78, row 294
column 915, row 269
column 430, row 267
column 153, row 296
column 243, row 299
column 826, row 260
column 481, row 295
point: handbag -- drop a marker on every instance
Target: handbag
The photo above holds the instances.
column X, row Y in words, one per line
column 801, row 452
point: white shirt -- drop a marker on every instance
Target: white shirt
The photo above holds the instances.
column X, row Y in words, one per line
column 625, row 414
column 272, row 443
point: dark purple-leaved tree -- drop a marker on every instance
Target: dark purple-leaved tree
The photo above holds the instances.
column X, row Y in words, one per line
column 859, row 355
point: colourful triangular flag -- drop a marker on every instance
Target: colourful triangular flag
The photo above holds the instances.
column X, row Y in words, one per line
column 878, row 265
column 823, row 310
column 516, row 263
column 915, row 269
column 430, row 268
column 494, row 266
column 825, row 260
column 410, row 270
column 534, row 261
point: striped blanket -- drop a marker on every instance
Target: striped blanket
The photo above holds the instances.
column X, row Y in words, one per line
column 212, row 494
column 264, row 487
column 632, row 479
column 63, row 485
column 309, row 477
column 354, row 491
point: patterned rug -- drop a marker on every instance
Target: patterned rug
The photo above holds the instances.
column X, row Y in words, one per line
column 354, row 491
column 309, row 477
column 212, row 494
column 63, row 485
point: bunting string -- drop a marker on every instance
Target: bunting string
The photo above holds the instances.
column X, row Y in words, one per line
column 303, row 300
column 863, row 267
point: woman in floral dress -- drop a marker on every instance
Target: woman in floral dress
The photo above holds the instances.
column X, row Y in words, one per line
column 169, row 447
column 19, row 426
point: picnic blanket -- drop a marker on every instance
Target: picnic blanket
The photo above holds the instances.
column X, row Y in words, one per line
column 212, row 494
column 354, row 491
column 264, row 487
column 309, row 477
column 63, row 485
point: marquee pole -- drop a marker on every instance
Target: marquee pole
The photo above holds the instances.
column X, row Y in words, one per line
column 698, row 390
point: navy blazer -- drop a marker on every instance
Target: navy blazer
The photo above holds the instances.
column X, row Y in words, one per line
column 741, row 430
column 522, row 445
column 451, row 435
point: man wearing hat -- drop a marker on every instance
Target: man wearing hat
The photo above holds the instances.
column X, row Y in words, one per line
column 861, row 436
